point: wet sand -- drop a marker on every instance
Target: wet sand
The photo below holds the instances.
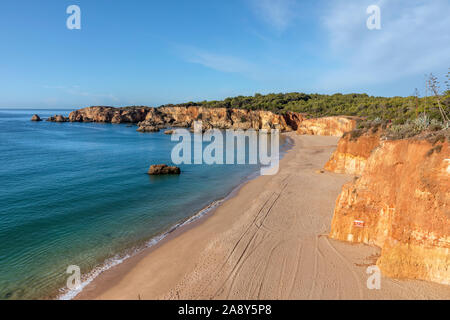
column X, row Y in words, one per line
column 269, row 241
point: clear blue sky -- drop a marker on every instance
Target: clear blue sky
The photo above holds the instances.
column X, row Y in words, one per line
column 145, row 52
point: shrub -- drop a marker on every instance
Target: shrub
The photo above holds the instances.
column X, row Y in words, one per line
column 355, row 134
column 436, row 149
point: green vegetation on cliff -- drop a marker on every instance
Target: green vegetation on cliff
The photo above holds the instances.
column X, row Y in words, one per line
column 402, row 116
column 397, row 109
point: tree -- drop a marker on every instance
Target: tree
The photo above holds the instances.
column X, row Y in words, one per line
column 433, row 84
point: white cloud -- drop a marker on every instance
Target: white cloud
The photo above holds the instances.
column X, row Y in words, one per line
column 217, row 61
column 413, row 40
column 77, row 91
column 277, row 13
column 220, row 62
column 91, row 98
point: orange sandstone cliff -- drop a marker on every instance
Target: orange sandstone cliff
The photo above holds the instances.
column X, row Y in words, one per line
column 152, row 119
column 328, row 126
column 179, row 116
column 352, row 153
column 401, row 203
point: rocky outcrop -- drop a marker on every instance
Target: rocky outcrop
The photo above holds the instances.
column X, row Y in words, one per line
column 294, row 119
column 178, row 116
column 401, row 203
column 148, row 126
column 221, row 118
column 353, row 152
column 109, row 114
column 35, row 117
column 328, row 126
column 163, row 169
column 148, row 119
column 58, row 118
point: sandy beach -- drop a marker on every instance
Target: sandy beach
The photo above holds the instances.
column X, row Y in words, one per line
column 269, row 241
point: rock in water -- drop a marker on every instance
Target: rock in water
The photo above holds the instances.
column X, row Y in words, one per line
column 149, row 126
column 58, row 118
column 148, row 129
column 35, row 117
column 161, row 169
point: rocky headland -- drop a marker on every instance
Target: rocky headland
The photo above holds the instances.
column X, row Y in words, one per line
column 154, row 119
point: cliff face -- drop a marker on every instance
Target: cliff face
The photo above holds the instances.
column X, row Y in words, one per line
column 220, row 118
column 150, row 119
column 352, row 153
column 400, row 203
column 328, row 126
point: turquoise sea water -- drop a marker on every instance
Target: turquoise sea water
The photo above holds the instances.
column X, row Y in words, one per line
column 78, row 194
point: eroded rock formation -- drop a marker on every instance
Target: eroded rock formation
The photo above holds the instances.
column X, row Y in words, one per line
column 35, row 117
column 328, row 126
column 220, row 118
column 176, row 116
column 400, row 203
column 353, row 152
column 163, row 169
column 58, row 118
column 148, row 128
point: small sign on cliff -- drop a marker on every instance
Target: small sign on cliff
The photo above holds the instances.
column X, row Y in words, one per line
column 359, row 223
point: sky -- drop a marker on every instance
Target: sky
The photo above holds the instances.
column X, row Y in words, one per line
column 148, row 52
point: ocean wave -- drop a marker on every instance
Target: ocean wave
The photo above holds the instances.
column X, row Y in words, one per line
column 86, row 279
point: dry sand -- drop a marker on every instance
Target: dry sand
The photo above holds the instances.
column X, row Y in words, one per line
column 268, row 242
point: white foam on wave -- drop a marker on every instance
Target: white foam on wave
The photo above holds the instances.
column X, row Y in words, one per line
column 69, row 294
